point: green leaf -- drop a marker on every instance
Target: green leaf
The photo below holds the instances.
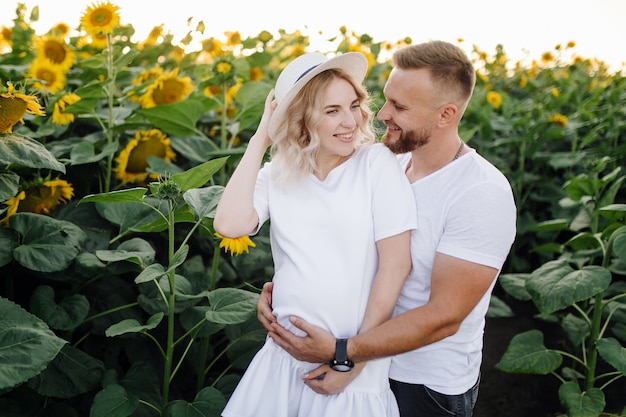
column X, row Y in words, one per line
column 9, row 185
column 498, row 308
column 135, row 250
column 183, row 214
column 131, row 195
column 515, row 285
column 133, row 326
column 581, row 404
column 550, row 225
column 113, row 401
column 85, row 153
column 527, row 354
column 585, row 241
column 231, row 305
column 8, row 242
column 613, row 353
column 72, row 372
column 209, row 402
column 152, row 272
column 178, row 258
column 556, row 285
column 48, row 245
column 27, row 345
column 199, row 175
column 619, row 243
column 614, row 212
column 204, row 200
column 24, row 151
column 67, row 315
column 178, row 119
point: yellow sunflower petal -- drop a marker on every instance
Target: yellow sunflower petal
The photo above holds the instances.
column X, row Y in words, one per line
column 236, row 246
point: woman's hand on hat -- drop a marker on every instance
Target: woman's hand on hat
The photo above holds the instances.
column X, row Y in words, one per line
column 263, row 129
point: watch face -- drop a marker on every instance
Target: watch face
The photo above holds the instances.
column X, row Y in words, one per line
column 342, row 368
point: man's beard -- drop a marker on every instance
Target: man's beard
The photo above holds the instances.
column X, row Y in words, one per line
column 408, row 141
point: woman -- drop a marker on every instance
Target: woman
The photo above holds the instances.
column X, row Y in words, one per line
column 341, row 215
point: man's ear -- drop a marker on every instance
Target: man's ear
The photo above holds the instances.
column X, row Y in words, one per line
column 448, row 114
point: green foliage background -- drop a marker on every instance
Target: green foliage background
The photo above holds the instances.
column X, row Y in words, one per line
column 121, row 302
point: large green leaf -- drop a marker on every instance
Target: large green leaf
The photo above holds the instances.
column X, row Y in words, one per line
column 527, row 354
column 113, row 401
column 24, row 151
column 72, row 372
column 204, row 200
column 231, row 305
column 8, row 242
column 613, row 353
column 27, row 345
column 67, row 315
column 9, row 185
column 198, row 175
column 47, row 244
column 556, row 285
column 178, row 119
column 581, row 404
column 209, row 402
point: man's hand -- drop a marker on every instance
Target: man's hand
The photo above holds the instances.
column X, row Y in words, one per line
column 264, row 307
column 317, row 346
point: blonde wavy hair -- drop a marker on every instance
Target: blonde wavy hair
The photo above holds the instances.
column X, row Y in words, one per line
column 295, row 147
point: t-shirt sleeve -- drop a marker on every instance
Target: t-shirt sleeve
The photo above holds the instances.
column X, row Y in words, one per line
column 393, row 203
column 481, row 225
column 261, row 196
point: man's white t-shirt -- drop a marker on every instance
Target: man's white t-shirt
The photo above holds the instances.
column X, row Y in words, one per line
column 465, row 209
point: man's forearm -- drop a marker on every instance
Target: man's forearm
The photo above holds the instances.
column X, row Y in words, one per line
column 406, row 332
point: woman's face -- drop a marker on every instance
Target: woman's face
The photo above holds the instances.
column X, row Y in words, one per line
column 341, row 118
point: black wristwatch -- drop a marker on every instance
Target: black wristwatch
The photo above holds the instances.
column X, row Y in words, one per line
column 340, row 362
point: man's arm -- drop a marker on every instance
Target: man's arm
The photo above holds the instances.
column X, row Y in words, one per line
column 457, row 286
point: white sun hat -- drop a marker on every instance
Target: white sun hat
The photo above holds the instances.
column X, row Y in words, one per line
column 301, row 70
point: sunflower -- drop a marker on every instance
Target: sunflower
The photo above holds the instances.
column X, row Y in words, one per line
column 143, row 77
column 13, row 105
column 40, row 197
column 153, row 37
column 494, row 99
column 166, row 89
column 47, row 76
column 236, row 246
column 56, row 51
column 98, row 40
column 13, row 204
column 5, row 37
column 132, row 161
column 59, row 116
column 60, row 30
column 100, row 17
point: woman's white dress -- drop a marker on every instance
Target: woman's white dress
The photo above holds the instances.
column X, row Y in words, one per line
column 323, row 236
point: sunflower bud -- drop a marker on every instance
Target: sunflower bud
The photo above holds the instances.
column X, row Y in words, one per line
column 166, row 189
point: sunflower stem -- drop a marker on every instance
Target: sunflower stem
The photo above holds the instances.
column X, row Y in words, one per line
column 109, row 130
column 169, row 355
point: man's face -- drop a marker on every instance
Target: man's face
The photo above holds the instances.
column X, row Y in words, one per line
column 408, row 111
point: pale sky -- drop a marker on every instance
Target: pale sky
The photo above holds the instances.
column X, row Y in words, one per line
column 526, row 28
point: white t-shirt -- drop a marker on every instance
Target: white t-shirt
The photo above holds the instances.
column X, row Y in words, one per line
column 324, row 233
column 466, row 210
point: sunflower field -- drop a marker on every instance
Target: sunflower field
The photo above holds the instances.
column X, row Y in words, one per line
column 117, row 297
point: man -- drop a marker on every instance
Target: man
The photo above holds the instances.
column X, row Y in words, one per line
column 466, row 226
